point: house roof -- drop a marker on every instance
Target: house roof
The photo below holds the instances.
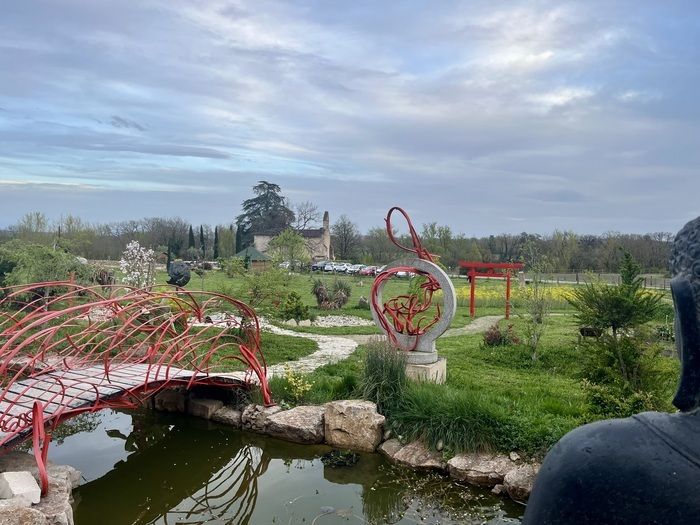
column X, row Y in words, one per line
column 252, row 254
column 307, row 234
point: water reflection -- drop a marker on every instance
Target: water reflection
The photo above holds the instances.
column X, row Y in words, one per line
column 173, row 469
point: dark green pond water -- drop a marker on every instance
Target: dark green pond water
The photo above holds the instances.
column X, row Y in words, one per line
column 152, row 468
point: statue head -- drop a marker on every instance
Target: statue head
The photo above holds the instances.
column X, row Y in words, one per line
column 685, row 287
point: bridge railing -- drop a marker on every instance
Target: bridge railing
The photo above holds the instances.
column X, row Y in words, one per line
column 56, row 329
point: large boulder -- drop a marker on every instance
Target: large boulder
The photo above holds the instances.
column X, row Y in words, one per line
column 417, row 456
column 484, row 470
column 302, row 424
column 518, row 482
column 254, row 417
column 354, row 425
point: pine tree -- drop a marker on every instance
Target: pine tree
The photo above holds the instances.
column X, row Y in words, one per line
column 190, row 238
column 202, row 245
column 216, row 242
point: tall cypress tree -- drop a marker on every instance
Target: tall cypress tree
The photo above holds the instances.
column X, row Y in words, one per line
column 190, row 239
column 216, row 242
column 202, row 246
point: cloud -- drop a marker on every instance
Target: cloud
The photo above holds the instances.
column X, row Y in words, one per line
column 120, row 122
column 459, row 110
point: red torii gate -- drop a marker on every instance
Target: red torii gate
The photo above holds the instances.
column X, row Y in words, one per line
column 481, row 269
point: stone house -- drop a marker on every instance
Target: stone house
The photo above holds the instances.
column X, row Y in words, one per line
column 318, row 240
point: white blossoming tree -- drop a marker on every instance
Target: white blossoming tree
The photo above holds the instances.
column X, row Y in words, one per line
column 138, row 266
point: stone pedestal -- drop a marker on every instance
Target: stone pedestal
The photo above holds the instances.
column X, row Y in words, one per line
column 433, row 372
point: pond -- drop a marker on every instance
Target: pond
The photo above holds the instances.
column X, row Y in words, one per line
column 146, row 467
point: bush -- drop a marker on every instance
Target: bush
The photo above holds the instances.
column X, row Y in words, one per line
column 26, row 263
column 384, row 378
column 496, row 336
column 332, row 299
column 294, row 308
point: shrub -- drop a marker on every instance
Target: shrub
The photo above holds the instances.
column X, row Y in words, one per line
column 497, row 336
column 294, row 308
column 233, row 266
column 384, row 377
column 332, row 299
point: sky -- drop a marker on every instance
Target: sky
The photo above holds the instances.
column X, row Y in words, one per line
column 489, row 117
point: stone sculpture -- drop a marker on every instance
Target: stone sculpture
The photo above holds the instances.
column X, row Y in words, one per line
column 643, row 469
column 179, row 274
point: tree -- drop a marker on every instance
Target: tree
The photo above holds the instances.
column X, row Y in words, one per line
column 138, row 265
column 202, row 244
column 619, row 309
column 266, row 212
column 216, row 242
column 306, row 214
column 289, row 246
column 294, row 308
column 190, row 238
column 345, row 238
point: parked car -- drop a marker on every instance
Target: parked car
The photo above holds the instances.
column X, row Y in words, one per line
column 285, row 265
column 328, row 267
column 340, row 267
column 355, row 268
column 368, row 271
column 318, row 266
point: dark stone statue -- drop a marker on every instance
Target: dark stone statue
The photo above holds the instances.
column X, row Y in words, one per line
column 179, row 273
column 644, row 469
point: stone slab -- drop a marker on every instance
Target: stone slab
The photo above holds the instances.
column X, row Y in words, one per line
column 19, row 484
column 434, row 372
column 171, row 400
column 418, row 456
column 227, row 416
column 303, row 424
column 484, row 470
column 204, row 408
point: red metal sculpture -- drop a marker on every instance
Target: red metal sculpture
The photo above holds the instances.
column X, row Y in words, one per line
column 407, row 314
column 66, row 349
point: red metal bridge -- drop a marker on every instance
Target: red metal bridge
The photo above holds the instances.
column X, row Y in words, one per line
column 67, row 349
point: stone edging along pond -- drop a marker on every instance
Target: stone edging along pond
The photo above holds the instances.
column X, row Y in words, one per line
column 356, row 425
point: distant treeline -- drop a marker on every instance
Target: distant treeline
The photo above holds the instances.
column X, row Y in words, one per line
column 560, row 251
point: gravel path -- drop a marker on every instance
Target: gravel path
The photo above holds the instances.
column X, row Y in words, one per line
column 332, row 349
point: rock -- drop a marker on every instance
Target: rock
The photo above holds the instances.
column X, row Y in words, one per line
column 514, row 456
column 387, row 435
column 19, row 484
column 204, row 408
column 518, row 482
column 55, row 507
column 498, row 490
column 302, row 424
column 418, row 456
column 354, row 425
column 14, row 514
column 56, row 504
column 440, row 445
column 484, row 470
column 254, row 417
column 171, row 400
column 228, row 416
column 390, row 448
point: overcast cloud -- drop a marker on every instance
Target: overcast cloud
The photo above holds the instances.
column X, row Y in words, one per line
column 487, row 116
